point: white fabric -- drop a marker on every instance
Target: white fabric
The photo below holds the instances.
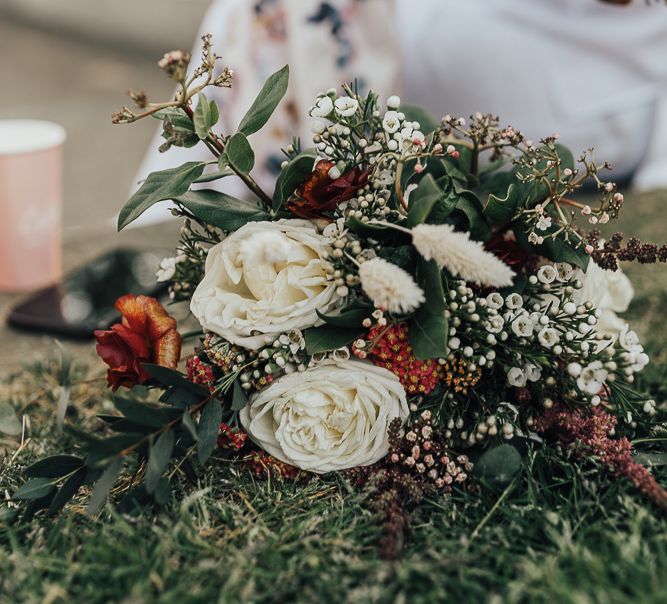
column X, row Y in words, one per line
column 593, row 72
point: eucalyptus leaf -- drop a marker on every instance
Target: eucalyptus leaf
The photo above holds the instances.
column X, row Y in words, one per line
column 239, row 398
column 35, row 488
column 222, row 210
column 103, row 486
column 267, row 100
column 165, row 184
column 239, row 153
column 143, row 414
column 499, row 465
column 347, row 318
column 54, row 466
column 206, row 115
column 209, row 428
column 67, row 490
column 9, row 423
column 159, row 456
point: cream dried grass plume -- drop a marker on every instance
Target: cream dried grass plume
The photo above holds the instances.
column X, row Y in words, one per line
column 390, row 287
column 461, row 256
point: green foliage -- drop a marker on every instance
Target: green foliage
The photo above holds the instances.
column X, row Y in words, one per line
column 428, row 333
column 499, row 465
column 427, row 123
column 422, row 201
column 267, row 100
column 165, row 184
column 329, row 337
column 221, row 210
column 239, row 153
column 206, row 115
column 291, row 176
column 350, row 317
column 209, row 427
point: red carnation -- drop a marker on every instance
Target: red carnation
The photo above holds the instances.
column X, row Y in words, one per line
column 146, row 334
column 319, row 193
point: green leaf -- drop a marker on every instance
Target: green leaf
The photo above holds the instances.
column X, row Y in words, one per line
column 427, row 123
column 67, row 490
column 159, row 456
column 372, row 231
column 221, row 210
column 103, row 486
column 328, row 337
column 189, row 425
column 35, row 488
column 556, row 250
column 428, row 334
column 171, row 377
column 54, row 466
column 162, row 491
column 239, row 398
column 9, row 423
column 471, row 206
column 291, row 176
column 217, row 175
column 239, row 153
column 209, row 428
column 499, row 465
column 206, row 116
column 267, row 100
column 501, row 210
column 143, row 414
column 422, row 201
column 350, row 318
column 166, row 184
column 429, row 278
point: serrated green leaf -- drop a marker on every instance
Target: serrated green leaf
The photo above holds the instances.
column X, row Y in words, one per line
column 222, row 210
column 291, row 176
column 209, row 428
column 328, row 337
column 499, row 465
column 165, row 184
column 35, row 488
column 103, row 486
column 206, row 115
column 67, row 490
column 239, row 398
column 267, row 100
column 239, row 153
column 428, row 334
column 9, row 422
column 54, row 466
column 501, row 210
column 159, row 456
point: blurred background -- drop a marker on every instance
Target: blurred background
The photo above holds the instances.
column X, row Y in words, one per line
column 593, row 70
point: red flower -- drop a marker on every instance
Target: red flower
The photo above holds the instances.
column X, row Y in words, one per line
column 231, row 438
column 504, row 245
column 319, row 193
column 146, row 334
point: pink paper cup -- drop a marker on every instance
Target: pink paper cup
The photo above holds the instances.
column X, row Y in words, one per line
column 31, row 175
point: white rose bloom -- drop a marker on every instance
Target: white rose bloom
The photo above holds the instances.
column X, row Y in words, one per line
column 262, row 280
column 346, row 106
column 330, row 417
column 610, row 291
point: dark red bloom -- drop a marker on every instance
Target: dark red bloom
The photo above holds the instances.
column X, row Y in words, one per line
column 504, row 245
column 319, row 193
column 146, row 334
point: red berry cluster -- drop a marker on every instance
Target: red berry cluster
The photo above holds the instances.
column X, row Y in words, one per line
column 586, row 433
column 231, row 438
column 388, row 346
column 262, row 465
column 200, row 372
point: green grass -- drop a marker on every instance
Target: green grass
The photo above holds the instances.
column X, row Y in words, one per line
column 562, row 533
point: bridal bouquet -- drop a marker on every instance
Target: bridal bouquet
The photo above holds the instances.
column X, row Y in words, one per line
column 415, row 305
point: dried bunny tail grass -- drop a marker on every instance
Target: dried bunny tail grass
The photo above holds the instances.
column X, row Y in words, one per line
column 389, row 286
column 461, row 256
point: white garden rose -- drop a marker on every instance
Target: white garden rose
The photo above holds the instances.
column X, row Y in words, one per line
column 611, row 292
column 330, row 417
column 262, row 280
